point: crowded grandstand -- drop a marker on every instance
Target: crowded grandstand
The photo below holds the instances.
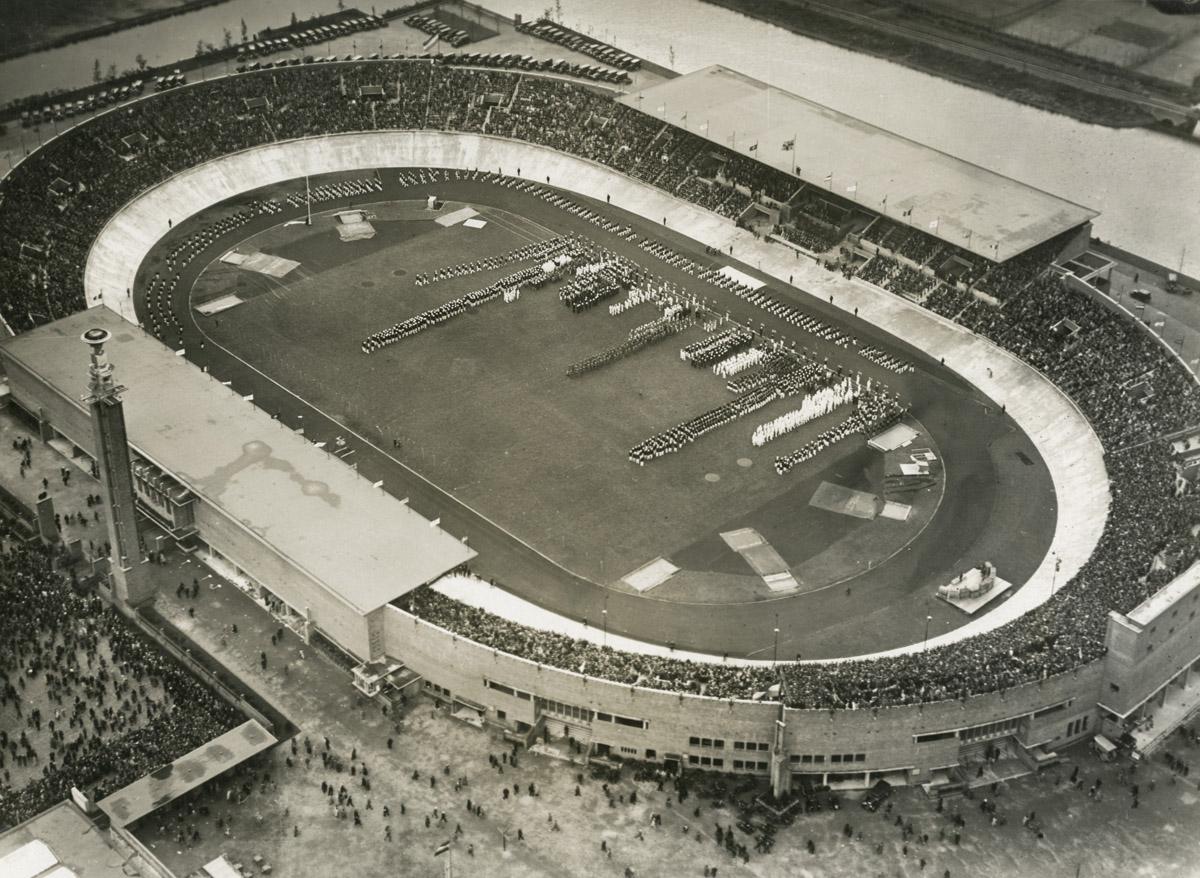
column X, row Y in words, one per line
column 1132, row 390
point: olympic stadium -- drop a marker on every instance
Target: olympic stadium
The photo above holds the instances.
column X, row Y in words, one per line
column 680, row 423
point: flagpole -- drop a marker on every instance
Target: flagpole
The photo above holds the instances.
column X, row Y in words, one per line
column 307, row 201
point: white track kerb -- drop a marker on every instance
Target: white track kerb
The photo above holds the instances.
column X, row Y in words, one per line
column 1062, row 434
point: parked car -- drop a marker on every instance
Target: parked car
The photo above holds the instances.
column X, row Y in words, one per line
column 877, row 796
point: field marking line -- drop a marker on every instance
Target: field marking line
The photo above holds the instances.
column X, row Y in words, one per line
column 508, row 225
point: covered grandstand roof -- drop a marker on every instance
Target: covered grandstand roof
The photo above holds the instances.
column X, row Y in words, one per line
column 360, row 543
column 966, row 205
column 166, row 784
column 62, row 842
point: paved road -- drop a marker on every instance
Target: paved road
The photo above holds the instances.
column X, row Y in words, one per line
column 996, row 506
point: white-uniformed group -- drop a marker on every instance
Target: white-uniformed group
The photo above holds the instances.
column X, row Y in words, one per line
column 815, row 405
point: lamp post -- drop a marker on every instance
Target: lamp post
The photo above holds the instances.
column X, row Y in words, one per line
column 775, row 653
column 925, row 644
column 604, row 616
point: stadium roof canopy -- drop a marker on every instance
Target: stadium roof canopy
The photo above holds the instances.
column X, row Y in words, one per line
column 358, row 542
column 166, row 784
column 62, row 842
column 966, row 205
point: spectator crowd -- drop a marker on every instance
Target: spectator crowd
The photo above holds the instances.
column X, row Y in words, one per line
column 86, row 700
column 1125, row 382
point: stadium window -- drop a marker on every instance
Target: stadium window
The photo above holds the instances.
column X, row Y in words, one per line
column 632, row 751
column 718, row 762
column 524, row 696
column 806, row 759
column 819, row 759
column 934, row 737
column 737, row 764
column 860, row 757
column 719, row 742
column 738, row 745
column 604, row 717
column 836, row 758
column 693, row 741
column 629, row 721
column 764, row 746
column 762, row 766
column 500, row 714
column 693, row 760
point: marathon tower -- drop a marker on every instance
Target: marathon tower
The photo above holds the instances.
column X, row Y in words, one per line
column 130, row 582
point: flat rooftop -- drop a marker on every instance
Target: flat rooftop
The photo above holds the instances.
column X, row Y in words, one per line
column 360, row 543
column 62, row 843
column 966, row 205
column 1166, row 597
column 167, row 783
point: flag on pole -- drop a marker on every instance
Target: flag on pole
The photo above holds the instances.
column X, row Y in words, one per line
column 754, row 147
column 829, row 176
column 789, row 144
column 935, row 223
column 907, row 212
column 662, row 108
column 442, row 848
column 968, row 235
column 853, row 188
column 429, row 42
column 684, row 117
column 884, row 200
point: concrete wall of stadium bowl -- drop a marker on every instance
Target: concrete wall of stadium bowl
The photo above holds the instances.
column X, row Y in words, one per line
column 855, row 747
column 1062, row 434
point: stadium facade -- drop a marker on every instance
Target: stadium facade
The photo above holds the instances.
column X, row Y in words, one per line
column 237, row 487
